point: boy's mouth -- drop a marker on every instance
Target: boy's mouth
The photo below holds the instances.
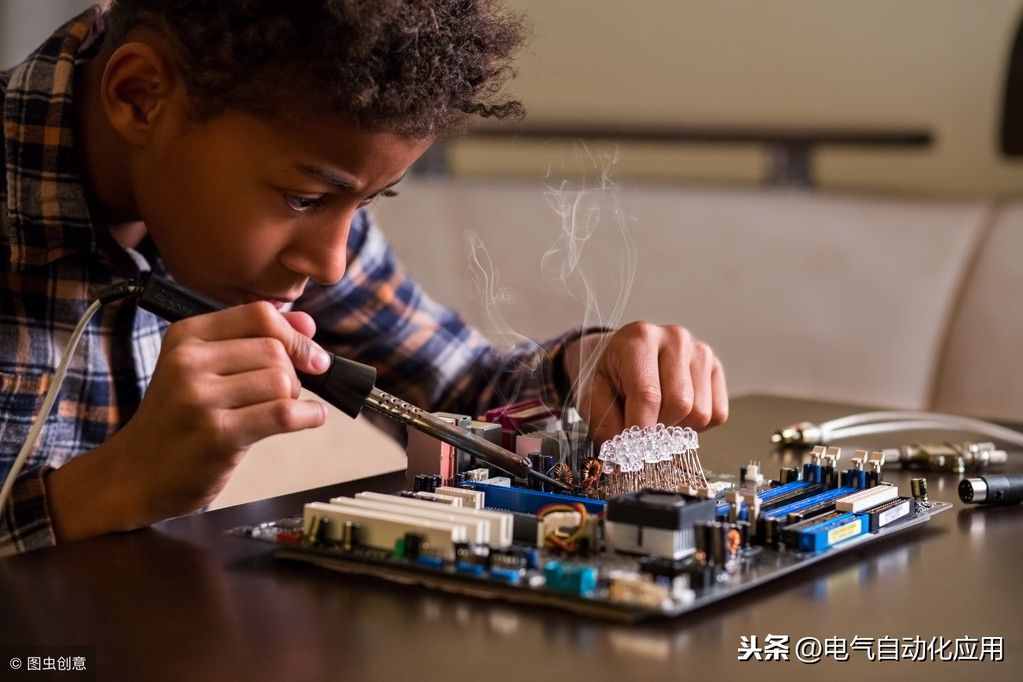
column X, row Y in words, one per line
column 279, row 302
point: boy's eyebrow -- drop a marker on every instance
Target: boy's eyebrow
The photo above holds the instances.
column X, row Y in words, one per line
column 335, row 179
column 328, row 176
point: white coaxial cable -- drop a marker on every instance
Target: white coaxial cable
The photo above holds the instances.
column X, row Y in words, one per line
column 872, row 423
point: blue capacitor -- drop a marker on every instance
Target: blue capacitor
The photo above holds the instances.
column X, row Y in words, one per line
column 577, row 580
column 470, row 568
column 430, row 561
column 506, row 575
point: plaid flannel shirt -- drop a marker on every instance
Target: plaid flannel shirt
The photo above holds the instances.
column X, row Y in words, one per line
column 54, row 259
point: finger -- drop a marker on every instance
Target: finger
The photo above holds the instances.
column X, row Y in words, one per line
column 640, row 383
column 676, row 379
column 253, row 423
column 302, row 322
column 255, row 320
column 701, row 369
column 602, row 410
column 259, row 386
column 720, row 388
column 241, row 355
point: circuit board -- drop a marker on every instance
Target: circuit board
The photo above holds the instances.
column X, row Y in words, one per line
column 650, row 554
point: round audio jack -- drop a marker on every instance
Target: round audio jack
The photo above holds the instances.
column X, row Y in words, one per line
column 1001, row 489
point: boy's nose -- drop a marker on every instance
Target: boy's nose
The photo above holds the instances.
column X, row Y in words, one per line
column 321, row 255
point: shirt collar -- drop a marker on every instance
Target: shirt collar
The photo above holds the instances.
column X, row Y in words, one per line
column 47, row 212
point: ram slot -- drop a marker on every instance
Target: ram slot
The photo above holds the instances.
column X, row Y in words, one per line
column 478, row 529
column 865, row 499
column 382, row 529
column 502, row 522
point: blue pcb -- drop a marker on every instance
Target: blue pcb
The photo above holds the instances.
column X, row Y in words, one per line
column 823, row 535
column 724, row 508
column 828, row 495
column 528, row 501
column 784, row 489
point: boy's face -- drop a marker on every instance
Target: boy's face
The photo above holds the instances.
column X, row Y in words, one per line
column 244, row 209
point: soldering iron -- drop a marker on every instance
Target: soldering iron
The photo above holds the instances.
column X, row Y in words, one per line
column 347, row 385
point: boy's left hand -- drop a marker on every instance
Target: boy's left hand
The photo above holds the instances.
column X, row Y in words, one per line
column 645, row 374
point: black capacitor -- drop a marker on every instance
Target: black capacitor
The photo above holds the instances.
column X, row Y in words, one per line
column 701, row 537
column 321, row 531
column 744, row 530
column 413, row 545
column 535, row 462
column 789, row 474
column 542, row 463
column 717, row 542
column 435, row 482
column 742, row 474
column 419, row 483
column 701, row 576
column 459, row 479
column 873, row 478
column 772, row 531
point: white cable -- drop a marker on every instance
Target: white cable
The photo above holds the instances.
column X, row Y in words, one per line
column 51, row 397
column 958, row 424
column 961, row 423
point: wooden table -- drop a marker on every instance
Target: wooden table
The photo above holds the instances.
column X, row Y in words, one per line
column 181, row 601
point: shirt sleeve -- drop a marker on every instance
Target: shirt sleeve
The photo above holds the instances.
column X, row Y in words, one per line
column 424, row 352
column 25, row 519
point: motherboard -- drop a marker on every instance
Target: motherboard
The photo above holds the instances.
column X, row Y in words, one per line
column 645, row 533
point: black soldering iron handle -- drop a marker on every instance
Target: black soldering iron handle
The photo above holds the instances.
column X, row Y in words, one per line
column 346, row 385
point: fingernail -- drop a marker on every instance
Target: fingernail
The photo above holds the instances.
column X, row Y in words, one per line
column 320, row 360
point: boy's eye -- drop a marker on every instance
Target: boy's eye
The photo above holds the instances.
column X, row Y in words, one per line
column 303, row 204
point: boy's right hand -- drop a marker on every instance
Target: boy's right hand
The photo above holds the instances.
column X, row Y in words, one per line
column 222, row 382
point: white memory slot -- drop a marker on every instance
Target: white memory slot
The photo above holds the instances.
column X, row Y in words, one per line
column 472, row 499
column 382, row 529
column 501, row 523
column 865, row 499
column 478, row 528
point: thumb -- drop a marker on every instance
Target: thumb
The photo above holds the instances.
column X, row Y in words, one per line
column 307, row 355
column 302, row 323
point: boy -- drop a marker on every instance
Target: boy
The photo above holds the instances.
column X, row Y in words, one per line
column 236, row 146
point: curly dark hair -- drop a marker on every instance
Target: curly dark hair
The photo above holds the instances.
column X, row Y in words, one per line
column 414, row 67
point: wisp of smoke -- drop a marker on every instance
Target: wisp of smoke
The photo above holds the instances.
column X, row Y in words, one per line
column 587, row 211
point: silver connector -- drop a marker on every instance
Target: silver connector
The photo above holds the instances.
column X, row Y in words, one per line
column 973, row 490
column 803, row 433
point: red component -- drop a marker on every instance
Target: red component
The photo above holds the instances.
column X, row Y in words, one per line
column 289, row 537
column 514, row 417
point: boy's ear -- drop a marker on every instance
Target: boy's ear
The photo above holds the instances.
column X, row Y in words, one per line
column 136, row 90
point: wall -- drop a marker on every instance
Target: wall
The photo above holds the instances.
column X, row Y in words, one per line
column 24, row 24
column 932, row 63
